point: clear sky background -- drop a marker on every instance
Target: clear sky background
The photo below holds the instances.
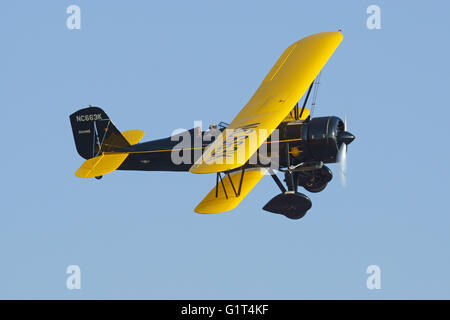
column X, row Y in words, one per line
column 158, row 66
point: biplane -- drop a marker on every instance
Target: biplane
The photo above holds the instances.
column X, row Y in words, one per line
column 274, row 133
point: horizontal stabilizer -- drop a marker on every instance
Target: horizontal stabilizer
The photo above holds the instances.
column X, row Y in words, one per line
column 101, row 165
column 133, row 136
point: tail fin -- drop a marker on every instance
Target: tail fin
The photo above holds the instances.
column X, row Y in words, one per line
column 94, row 133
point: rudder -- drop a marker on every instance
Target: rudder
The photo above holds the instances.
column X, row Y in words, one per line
column 94, row 132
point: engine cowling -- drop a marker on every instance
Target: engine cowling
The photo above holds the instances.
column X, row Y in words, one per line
column 319, row 138
column 322, row 138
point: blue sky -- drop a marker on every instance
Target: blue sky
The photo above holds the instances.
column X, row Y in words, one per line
column 158, row 66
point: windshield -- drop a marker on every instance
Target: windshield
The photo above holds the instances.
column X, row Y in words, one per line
column 223, row 125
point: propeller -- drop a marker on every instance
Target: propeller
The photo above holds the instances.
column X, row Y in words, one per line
column 342, row 159
column 344, row 138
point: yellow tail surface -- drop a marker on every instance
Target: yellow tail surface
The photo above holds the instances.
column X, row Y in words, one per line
column 101, row 165
column 106, row 163
column 133, row 136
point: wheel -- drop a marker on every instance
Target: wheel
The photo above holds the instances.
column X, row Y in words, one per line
column 292, row 205
column 314, row 188
column 315, row 181
column 98, row 177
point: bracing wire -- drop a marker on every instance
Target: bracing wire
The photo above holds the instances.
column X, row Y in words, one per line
column 316, row 89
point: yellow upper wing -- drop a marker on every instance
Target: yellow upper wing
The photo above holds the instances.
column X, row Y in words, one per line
column 285, row 84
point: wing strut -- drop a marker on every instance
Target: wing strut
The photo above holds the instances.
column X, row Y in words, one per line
column 304, row 103
column 242, row 179
column 277, row 181
column 227, row 173
column 231, row 182
column 219, row 176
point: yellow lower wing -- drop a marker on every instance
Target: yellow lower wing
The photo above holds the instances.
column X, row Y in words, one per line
column 225, row 201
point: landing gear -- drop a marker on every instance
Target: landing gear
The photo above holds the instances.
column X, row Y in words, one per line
column 98, row 177
column 314, row 177
column 313, row 181
column 290, row 203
